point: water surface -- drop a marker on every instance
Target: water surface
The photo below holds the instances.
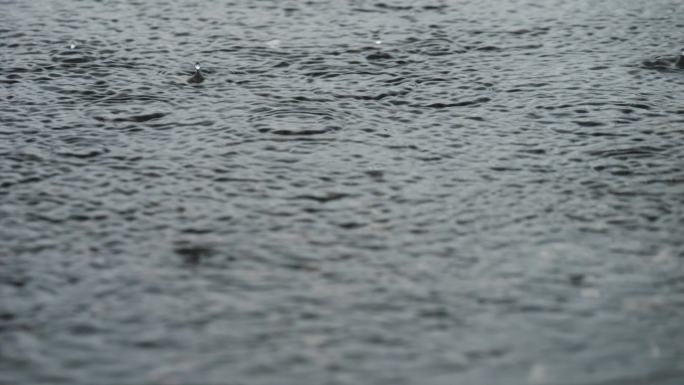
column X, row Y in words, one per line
column 408, row 192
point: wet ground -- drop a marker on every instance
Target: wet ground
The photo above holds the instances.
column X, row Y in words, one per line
column 408, row 192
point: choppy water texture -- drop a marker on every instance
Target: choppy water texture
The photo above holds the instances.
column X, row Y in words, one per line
column 493, row 194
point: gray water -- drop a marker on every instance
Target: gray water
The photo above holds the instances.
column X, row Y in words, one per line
column 409, row 192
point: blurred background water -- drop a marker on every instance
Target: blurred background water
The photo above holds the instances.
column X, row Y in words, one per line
column 360, row 192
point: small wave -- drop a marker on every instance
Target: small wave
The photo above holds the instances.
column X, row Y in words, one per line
column 661, row 63
column 297, row 121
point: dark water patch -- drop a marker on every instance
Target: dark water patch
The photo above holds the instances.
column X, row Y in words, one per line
column 589, row 123
column 394, row 7
column 457, row 104
column 615, row 169
column 303, row 131
column 664, row 63
column 193, row 253
column 324, row 198
column 296, row 121
column 376, row 97
column 487, row 48
column 379, row 56
column 629, row 153
column 134, row 118
column 81, row 153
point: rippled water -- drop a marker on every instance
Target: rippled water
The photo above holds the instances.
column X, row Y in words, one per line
column 408, row 192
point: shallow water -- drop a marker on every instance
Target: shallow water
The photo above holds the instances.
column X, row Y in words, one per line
column 493, row 194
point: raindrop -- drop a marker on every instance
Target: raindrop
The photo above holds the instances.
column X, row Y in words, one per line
column 197, row 77
column 679, row 62
column 273, row 44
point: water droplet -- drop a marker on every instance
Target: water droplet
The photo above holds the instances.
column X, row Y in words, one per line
column 197, row 77
column 273, row 44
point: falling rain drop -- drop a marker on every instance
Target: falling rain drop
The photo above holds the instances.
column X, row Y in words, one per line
column 197, row 77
